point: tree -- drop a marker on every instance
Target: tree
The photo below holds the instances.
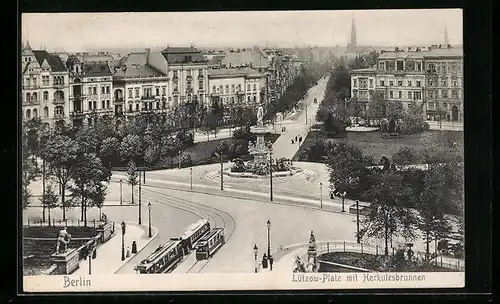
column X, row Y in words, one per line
column 109, row 151
column 345, row 163
column 431, row 206
column 61, row 154
column 131, row 148
column 394, row 110
column 185, row 160
column 377, row 108
column 405, row 156
column 133, row 176
column 49, row 199
column 388, row 216
column 28, row 170
column 89, row 173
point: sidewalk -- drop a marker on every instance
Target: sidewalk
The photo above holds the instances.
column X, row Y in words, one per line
column 108, row 257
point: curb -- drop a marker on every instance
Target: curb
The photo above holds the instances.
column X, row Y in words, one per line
column 155, row 234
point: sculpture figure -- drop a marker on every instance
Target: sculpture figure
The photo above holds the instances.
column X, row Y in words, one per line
column 63, row 238
column 260, row 115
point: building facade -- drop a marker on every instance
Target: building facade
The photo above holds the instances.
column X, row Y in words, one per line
column 431, row 78
column 91, row 87
column 45, row 87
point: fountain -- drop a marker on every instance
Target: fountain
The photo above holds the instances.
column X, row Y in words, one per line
column 262, row 156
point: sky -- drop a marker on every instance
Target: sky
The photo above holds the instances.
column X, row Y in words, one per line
column 84, row 31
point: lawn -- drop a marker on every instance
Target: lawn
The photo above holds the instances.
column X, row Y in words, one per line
column 373, row 143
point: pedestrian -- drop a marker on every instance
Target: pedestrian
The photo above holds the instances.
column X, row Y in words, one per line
column 292, row 141
column 128, row 252
column 295, row 138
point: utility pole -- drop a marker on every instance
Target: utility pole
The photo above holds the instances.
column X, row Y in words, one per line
column 357, row 221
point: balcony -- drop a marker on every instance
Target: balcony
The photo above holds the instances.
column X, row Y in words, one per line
column 118, row 100
column 200, row 76
column 58, row 101
column 31, row 87
column 77, row 97
column 77, row 114
column 189, row 78
column 147, row 97
column 175, row 79
column 58, row 85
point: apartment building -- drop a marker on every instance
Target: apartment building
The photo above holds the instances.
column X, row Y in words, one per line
column 236, row 86
column 45, row 87
column 91, row 87
column 428, row 77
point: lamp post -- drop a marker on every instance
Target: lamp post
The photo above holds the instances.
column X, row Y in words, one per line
column 140, row 202
column 144, row 177
column 121, row 196
column 123, row 241
column 255, row 251
column 357, row 222
column 149, row 211
column 270, row 174
column 321, row 195
column 221, row 171
column 269, row 244
column 343, row 196
column 191, row 177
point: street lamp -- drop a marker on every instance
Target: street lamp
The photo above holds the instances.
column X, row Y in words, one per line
column 221, row 171
column 140, row 203
column 255, row 251
column 123, row 241
column 121, row 196
column 321, row 195
column 270, row 173
column 343, row 196
column 191, row 176
column 269, row 244
column 149, row 211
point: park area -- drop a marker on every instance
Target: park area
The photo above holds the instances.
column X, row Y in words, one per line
column 374, row 143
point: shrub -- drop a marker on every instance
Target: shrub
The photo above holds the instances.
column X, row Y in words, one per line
column 186, row 160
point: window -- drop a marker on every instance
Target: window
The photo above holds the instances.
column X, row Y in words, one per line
column 35, row 113
column 28, row 113
column 454, row 69
column 130, row 95
column 391, row 94
column 200, row 84
column 399, row 65
column 254, row 98
column 248, row 87
column 103, row 90
column 248, row 98
column 382, row 83
column 188, row 84
column 188, row 72
column 254, row 87
column 45, row 96
column 409, row 83
column 382, row 65
column 157, row 91
column 103, row 104
column 164, row 105
column 430, row 82
column 227, row 89
column 439, row 69
column 137, row 107
column 232, row 88
column 46, row 111
column 443, row 82
column 400, row 83
column 90, row 105
column 417, row 95
column 90, row 91
column 391, row 83
column 419, row 66
column 157, row 105
column 174, row 74
column 94, row 90
column 400, row 95
column 136, row 93
column 418, row 83
column 232, row 99
column 221, row 89
column 454, row 83
column 454, row 94
column 430, row 94
column 95, row 104
column 355, row 83
column 213, row 89
column 107, row 104
column 409, row 95
column 371, row 83
column 445, row 106
column 444, row 69
column 130, row 108
column 432, row 106
column 444, row 93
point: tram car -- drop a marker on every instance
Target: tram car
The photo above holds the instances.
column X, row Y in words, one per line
column 192, row 234
column 163, row 259
column 209, row 243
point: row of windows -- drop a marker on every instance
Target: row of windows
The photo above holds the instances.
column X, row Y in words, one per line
column 444, row 82
column 105, row 104
column 33, row 81
column 444, row 106
column 146, row 92
column 443, row 68
column 400, row 65
column 442, row 94
column 234, row 88
column 362, row 83
column 188, row 72
column 232, row 99
column 33, row 97
column 59, row 110
column 104, row 90
column 399, row 83
column 411, row 95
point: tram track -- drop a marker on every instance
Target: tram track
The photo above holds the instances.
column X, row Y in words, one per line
column 214, row 215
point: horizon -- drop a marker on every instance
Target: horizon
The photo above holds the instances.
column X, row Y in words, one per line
column 283, row 29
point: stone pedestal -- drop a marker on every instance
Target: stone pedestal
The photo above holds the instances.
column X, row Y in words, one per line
column 105, row 231
column 66, row 262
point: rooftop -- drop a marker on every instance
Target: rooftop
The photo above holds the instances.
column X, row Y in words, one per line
column 234, row 72
column 54, row 61
column 97, row 69
column 254, row 58
column 421, row 53
column 183, row 55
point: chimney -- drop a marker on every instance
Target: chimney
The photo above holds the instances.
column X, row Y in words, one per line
column 147, row 55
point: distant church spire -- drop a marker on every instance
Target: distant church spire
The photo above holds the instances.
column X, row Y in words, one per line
column 353, row 33
column 446, row 42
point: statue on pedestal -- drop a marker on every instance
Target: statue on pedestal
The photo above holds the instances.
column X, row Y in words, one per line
column 311, row 254
column 260, row 115
column 64, row 238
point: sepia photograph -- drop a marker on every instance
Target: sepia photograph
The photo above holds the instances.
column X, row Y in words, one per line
column 242, row 150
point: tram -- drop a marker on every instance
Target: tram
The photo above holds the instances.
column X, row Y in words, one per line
column 209, row 244
column 192, row 234
column 163, row 259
